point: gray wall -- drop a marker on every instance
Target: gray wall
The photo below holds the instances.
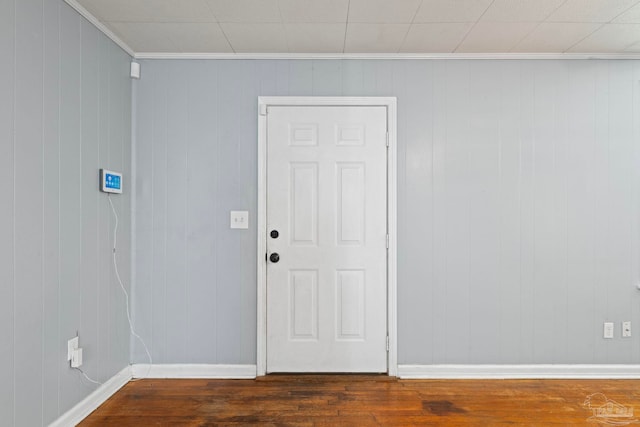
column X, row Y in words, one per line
column 65, row 111
column 518, row 205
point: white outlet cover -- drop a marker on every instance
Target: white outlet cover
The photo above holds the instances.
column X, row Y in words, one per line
column 76, row 358
column 626, row 329
column 72, row 345
column 239, row 219
column 608, row 330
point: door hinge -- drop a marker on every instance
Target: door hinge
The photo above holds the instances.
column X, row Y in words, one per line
column 263, row 109
column 387, row 139
column 387, row 241
column 387, row 342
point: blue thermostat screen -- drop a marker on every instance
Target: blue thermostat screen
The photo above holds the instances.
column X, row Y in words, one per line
column 112, row 181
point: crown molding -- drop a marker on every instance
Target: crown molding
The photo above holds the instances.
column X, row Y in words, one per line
column 100, row 26
column 479, row 56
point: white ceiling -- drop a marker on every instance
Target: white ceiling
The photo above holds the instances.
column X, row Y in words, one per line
column 372, row 26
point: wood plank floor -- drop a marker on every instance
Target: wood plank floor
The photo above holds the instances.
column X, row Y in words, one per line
column 362, row 400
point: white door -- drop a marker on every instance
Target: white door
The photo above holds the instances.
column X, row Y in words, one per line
column 326, row 239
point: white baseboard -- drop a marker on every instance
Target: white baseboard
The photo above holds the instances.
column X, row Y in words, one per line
column 194, row 371
column 90, row 403
column 518, row 371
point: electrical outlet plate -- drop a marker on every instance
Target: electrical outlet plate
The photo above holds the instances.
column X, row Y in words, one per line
column 239, row 219
column 72, row 345
column 76, row 358
column 608, row 330
column 626, row 329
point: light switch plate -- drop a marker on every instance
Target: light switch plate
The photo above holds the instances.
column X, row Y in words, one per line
column 239, row 219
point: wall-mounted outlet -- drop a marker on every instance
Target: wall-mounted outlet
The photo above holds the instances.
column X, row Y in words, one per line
column 76, row 358
column 72, row 345
column 608, row 330
column 626, row 329
column 239, row 219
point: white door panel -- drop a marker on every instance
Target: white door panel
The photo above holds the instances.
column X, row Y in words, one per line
column 326, row 197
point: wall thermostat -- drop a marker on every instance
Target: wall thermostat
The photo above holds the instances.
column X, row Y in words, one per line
column 110, row 182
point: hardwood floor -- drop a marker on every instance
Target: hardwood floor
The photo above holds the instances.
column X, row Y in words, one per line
column 362, row 400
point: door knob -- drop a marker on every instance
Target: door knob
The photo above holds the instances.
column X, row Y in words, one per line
column 274, row 234
column 274, row 257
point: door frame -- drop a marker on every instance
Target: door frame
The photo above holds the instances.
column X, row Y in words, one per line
column 311, row 101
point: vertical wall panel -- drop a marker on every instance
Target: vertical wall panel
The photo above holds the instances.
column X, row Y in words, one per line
column 513, row 248
column 458, row 211
column 510, row 212
column 143, row 218
column 546, row 237
column 7, row 321
column 282, row 78
column 418, row 160
column 621, row 215
column 157, row 219
column 203, row 180
column 584, row 185
column 436, row 295
column 177, row 165
column 105, row 221
column 70, row 195
column 119, row 135
column 352, row 77
column 115, row 297
column 101, row 273
column 228, row 192
column 28, row 212
column 384, row 78
column 300, row 78
column 635, row 267
column 598, row 184
column 248, row 167
column 90, row 148
column 142, row 312
column 124, row 60
column 51, row 211
column 369, row 78
column 150, row 120
column 484, row 239
column 327, row 78
column 527, row 210
column 268, row 83
column 560, row 201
